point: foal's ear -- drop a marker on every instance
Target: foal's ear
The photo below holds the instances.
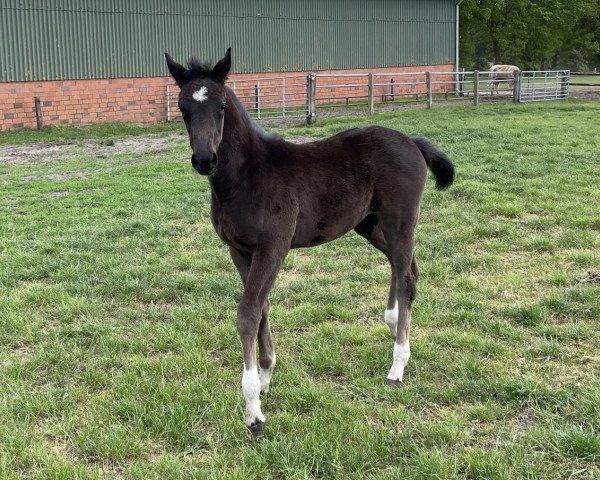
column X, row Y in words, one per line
column 221, row 69
column 177, row 70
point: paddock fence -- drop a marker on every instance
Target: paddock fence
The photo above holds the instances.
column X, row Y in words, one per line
column 548, row 85
column 585, row 85
column 306, row 96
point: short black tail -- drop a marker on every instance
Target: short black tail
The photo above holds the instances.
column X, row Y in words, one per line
column 439, row 164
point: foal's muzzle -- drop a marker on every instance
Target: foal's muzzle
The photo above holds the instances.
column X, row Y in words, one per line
column 204, row 165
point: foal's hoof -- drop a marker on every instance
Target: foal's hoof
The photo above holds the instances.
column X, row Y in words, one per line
column 257, row 430
column 393, row 383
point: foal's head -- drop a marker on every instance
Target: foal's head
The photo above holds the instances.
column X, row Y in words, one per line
column 202, row 101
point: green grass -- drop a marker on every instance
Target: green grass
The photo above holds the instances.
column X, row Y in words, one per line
column 120, row 358
column 104, row 132
column 595, row 79
column 592, row 83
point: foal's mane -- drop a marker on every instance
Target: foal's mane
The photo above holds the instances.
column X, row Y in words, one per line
column 197, row 69
column 246, row 118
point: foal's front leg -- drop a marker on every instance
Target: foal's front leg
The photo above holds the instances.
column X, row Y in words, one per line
column 266, row 352
column 263, row 270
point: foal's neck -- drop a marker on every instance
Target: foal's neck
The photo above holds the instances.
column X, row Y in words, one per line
column 242, row 139
column 241, row 144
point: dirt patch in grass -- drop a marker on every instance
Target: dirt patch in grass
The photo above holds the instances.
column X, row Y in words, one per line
column 585, row 95
column 44, row 153
column 590, row 277
column 60, row 194
column 48, row 152
column 55, row 177
column 303, row 139
column 525, row 422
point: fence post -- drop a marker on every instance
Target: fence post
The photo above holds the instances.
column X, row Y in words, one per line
column 517, row 86
column 392, row 89
column 564, row 87
column 371, row 96
column 476, row 87
column 429, row 90
column 38, row 113
column 257, row 98
column 311, row 88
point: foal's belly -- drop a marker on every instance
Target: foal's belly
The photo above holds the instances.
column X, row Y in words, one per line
column 314, row 229
column 332, row 211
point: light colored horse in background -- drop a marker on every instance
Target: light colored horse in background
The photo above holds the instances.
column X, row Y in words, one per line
column 502, row 73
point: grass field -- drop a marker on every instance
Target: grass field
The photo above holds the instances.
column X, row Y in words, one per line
column 120, row 358
column 585, row 84
column 593, row 79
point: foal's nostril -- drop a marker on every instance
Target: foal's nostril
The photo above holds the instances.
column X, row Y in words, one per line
column 204, row 165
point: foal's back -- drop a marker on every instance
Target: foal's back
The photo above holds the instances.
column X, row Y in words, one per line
column 340, row 180
column 368, row 161
column 357, row 151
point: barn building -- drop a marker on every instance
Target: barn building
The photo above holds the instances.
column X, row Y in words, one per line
column 102, row 60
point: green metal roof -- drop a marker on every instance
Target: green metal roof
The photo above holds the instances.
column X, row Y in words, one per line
column 65, row 39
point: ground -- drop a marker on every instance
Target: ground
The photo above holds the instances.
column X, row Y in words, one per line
column 120, row 359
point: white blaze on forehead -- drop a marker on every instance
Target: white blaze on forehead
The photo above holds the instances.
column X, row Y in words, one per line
column 200, row 95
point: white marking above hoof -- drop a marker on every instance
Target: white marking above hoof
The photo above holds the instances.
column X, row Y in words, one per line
column 401, row 356
column 265, row 375
column 200, row 95
column 251, row 390
column 391, row 319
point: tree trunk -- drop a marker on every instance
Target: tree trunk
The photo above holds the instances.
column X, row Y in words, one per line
column 497, row 51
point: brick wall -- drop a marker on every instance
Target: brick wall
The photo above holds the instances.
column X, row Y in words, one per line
column 144, row 99
column 83, row 101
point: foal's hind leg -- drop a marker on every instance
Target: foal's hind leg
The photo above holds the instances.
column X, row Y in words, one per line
column 400, row 241
column 392, row 310
column 373, row 233
column 396, row 242
column 266, row 353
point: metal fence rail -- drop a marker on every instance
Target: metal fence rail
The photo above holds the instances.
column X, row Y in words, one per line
column 264, row 98
column 273, row 97
column 547, row 85
column 399, row 87
column 301, row 96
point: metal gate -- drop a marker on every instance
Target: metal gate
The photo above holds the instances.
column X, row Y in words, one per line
column 264, row 98
column 536, row 86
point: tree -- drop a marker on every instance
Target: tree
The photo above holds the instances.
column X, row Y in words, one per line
column 581, row 48
column 529, row 33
